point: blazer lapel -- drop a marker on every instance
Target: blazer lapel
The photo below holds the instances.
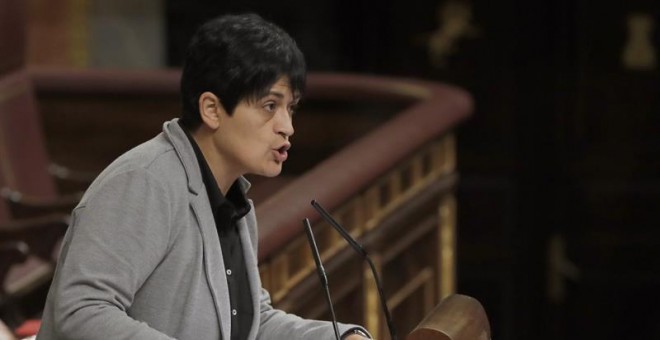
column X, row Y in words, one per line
column 249, row 254
column 214, row 265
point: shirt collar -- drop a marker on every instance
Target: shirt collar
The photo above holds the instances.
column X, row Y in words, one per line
column 235, row 200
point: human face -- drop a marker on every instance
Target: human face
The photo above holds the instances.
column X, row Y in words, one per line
column 255, row 138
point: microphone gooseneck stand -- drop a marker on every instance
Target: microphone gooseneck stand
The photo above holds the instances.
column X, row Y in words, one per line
column 321, row 271
column 360, row 250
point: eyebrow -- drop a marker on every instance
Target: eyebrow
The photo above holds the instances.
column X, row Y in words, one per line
column 296, row 98
column 276, row 94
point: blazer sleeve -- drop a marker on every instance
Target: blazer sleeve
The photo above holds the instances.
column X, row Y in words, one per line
column 117, row 237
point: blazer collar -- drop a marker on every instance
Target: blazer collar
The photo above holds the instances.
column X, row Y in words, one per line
column 186, row 153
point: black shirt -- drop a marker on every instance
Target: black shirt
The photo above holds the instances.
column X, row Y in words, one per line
column 226, row 212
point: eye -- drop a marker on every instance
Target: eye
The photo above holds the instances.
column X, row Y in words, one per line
column 270, row 107
column 292, row 109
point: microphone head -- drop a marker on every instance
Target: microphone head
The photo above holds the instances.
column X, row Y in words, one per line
column 342, row 231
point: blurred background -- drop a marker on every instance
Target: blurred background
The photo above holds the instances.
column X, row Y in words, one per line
column 558, row 222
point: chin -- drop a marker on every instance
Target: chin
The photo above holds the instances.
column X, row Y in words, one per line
column 274, row 172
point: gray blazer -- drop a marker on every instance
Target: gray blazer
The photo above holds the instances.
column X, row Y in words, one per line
column 142, row 259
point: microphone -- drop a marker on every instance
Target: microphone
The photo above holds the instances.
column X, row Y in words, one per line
column 360, row 250
column 321, row 272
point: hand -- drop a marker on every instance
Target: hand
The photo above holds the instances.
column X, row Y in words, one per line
column 5, row 333
column 355, row 337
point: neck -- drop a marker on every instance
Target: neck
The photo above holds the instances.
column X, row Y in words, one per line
column 223, row 175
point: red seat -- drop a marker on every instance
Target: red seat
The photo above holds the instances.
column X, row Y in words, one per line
column 28, row 328
column 23, row 157
column 28, row 254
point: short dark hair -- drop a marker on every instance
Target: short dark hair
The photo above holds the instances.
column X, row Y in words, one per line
column 237, row 57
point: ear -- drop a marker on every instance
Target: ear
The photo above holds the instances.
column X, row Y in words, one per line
column 211, row 110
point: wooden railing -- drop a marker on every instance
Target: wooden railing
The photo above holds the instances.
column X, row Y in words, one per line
column 391, row 187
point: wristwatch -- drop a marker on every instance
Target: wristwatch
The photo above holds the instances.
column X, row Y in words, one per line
column 356, row 331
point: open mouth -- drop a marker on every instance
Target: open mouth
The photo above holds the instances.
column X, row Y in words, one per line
column 282, row 152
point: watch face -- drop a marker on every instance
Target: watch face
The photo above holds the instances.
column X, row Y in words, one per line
column 356, row 331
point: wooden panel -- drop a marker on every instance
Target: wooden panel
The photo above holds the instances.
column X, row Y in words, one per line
column 13, row 17
column 57, row 33
column 406, row 235
column 108, row 124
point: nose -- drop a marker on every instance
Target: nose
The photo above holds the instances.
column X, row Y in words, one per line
column 284, row 125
